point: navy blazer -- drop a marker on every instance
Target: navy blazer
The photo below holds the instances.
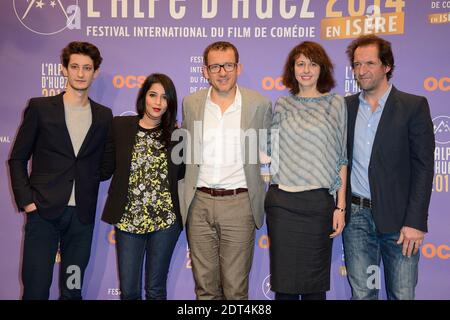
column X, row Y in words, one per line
column 401, row 166
column 43, row 135
column 117, row 162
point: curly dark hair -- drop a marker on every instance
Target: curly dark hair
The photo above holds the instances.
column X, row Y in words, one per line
column 316, row 53
column 85, row 48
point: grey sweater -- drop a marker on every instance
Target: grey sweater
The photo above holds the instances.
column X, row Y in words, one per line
column 78, row 121
column 310, row 148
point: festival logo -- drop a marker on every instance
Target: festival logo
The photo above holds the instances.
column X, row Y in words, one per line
column 48, row 17
column 441, row 154
column 266, row 288
column 441, row 129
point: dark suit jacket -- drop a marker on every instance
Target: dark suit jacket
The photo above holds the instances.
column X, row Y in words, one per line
column 118, row 162
column 402, row 162
column 43, row 135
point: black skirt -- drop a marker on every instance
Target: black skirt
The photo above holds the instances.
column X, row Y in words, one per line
column 299, row 225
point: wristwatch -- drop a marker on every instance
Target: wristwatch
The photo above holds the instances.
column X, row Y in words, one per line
column 340, row 209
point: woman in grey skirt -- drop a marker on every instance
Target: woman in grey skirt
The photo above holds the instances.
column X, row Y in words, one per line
column 308, row 167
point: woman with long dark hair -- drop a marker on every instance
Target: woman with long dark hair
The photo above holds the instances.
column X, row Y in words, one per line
column 142, row 200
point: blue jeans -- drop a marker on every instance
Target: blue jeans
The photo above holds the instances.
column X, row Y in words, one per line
column 42, row 237
column 364, row 247
column 157, row 248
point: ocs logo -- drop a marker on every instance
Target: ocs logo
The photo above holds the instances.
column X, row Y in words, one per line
column 269, row 83
column 266, row 288
column 130, row 81
column 47, row 17
column 441, row 129
column 112, row 237
column 433, row 84
column 430, row 251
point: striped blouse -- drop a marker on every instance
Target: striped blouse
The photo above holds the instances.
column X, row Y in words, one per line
column 310, row 147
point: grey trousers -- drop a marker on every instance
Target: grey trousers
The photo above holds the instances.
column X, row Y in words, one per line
column 221, row 236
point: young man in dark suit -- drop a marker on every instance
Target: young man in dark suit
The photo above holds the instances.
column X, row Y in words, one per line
column 65, row 137
column 390, row 147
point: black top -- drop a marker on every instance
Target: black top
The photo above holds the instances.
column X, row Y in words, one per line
column 117, row 162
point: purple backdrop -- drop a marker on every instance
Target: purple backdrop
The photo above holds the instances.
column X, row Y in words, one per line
column 137, row 38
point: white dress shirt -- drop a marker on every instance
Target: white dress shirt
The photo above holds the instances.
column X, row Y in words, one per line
column 222, row 165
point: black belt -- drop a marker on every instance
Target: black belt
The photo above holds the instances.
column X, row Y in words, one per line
column 362, row 202
column 222, row 192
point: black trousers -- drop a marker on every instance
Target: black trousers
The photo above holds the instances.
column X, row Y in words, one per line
column 42, row 238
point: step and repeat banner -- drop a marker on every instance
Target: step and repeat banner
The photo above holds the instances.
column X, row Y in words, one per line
column 139, row 37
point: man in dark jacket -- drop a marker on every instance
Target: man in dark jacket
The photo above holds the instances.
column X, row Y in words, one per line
column 65, row 136
column 390, row 146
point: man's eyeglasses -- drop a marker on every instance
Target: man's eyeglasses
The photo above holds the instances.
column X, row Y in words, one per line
column 228, row 67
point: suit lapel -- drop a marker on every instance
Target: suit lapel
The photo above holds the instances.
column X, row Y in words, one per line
column 385, row 119
column 199, row 115
column 248, row 111
column 199, row 107
column 58, row 101
column 353, row 105
column 94, row 125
